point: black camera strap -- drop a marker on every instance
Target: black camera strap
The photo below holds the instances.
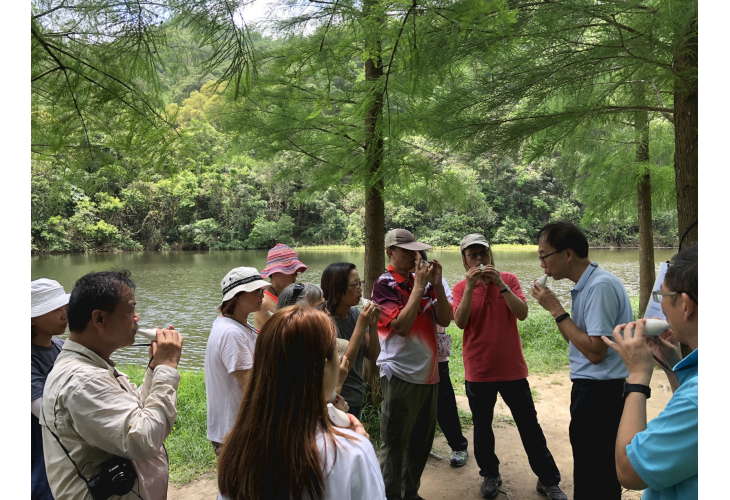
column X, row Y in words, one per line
column 78, row 471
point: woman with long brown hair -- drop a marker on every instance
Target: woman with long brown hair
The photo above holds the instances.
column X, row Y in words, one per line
column 283, row 444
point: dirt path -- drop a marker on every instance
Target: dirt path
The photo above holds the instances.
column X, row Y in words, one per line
column 442, row 482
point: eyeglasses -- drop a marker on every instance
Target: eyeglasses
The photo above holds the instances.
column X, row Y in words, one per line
column 322, row 306
column 483, row 254
column 357, row 284
column 543, row 257
column 658, row 294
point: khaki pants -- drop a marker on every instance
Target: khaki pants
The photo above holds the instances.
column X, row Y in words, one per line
column 407, row 426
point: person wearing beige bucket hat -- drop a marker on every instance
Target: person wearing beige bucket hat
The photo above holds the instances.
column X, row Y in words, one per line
column 48, row 302
column 412, row 302
column 282, row 268
column 229, row 351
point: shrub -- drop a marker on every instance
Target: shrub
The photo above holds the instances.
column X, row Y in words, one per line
column 267, row 233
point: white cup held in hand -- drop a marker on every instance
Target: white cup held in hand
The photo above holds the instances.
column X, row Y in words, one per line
column 338, row 417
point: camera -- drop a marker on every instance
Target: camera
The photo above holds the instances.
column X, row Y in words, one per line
column 116, row 476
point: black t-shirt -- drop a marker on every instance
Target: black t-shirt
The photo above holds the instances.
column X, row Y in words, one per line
column 41, row 363
column 353, row 390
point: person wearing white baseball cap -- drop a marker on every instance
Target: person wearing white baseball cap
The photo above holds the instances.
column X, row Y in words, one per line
column 229, row 351
column 48, row 302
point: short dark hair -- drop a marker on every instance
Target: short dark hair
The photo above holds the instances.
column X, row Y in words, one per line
column 682, row 273
column 96, row 290
column 562, row 235
column 334, row 283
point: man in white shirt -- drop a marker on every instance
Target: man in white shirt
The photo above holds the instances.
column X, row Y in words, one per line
column 92, row 413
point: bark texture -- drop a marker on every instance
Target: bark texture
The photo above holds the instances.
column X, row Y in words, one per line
column 685, row 136
column 374, row 203
column 647, row 274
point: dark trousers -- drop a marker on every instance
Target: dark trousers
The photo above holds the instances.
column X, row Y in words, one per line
column 446, row 414
column 516, row 395
column 595, row 414
column 355, row 411
column 407, row 425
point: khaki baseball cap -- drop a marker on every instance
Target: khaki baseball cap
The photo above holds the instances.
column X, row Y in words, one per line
column 404, row 239
column 473, row 239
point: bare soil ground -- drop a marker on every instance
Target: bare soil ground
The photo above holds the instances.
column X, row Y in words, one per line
column 442, row 482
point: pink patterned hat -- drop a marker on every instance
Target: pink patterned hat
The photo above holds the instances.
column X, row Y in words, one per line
column 282, row 259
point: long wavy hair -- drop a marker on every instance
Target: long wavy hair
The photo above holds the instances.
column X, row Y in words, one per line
column 334, row 283
column 271, row 452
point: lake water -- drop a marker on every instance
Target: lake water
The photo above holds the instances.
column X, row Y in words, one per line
column 183, row 288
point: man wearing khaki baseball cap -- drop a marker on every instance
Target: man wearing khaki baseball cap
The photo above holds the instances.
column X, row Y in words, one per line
column 412, row 300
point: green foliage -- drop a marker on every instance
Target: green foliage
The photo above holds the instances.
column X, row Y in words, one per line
column 267, row 233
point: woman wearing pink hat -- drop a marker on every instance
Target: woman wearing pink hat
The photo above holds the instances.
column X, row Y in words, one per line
column 48, row 302
column 282, row 266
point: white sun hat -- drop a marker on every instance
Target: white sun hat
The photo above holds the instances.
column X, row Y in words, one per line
column 241, row 279
column 45, row 296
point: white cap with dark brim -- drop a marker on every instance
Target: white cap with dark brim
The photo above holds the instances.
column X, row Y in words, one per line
column 46, row 296
column 403, row 238
column 241, row 279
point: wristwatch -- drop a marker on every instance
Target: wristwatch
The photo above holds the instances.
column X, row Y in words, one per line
column 637, row 388
column 506, row 289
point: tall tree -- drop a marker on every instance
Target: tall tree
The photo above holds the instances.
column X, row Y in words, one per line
column 576, row 62
column 338, row 95
column 94, row 69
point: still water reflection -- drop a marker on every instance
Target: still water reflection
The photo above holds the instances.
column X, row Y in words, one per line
column 183, row 288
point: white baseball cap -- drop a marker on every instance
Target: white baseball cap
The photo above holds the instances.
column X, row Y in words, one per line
column 241, row 279
column 46, row 296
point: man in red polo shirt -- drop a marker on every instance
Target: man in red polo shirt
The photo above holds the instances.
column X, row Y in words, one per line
column 411, row 306
column 487, row 305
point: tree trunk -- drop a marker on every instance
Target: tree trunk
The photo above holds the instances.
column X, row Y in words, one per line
column 685, row 135
column 646, row 234
column 374, row 204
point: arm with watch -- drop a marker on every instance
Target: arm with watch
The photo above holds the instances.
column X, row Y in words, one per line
column 591, row 346
column 639, row 360
column 515, row 304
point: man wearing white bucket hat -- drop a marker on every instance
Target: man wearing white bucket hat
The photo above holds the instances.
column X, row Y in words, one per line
column 48, row 302
column 229, row 351
column 103, row 436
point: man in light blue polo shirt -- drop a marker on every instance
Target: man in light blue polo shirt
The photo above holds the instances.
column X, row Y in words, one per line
column 600, row 302
column 661, row 456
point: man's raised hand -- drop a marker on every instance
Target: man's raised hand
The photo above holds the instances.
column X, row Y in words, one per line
column 166, row 350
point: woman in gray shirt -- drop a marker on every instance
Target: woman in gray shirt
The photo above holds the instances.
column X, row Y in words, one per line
column 343, row 290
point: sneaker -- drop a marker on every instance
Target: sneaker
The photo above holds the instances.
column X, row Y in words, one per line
column 490, row 486
column 552, row 492
column 458, row 458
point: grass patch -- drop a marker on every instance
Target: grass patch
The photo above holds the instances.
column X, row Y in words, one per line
column 190, row 452
column 556, row 382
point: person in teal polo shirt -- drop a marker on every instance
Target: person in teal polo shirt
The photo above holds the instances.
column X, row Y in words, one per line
column 661, row 456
